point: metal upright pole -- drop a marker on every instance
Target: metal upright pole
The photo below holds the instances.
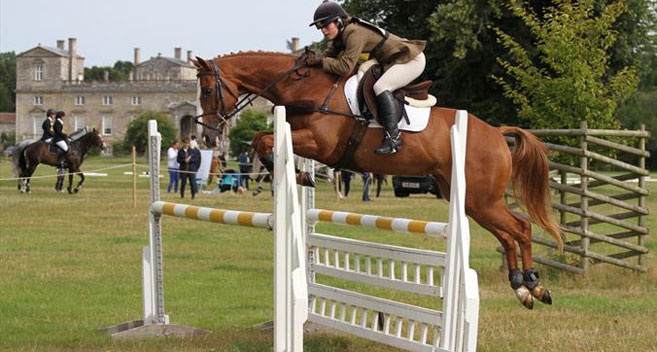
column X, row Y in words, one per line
column 584, row 201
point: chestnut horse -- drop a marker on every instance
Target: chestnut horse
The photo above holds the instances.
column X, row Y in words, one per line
column 284, row 79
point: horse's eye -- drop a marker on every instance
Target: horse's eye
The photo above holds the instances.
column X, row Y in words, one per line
column 207, row 91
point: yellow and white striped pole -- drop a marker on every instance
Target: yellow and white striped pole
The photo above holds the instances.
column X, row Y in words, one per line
column 220, row 216
column 429, row 228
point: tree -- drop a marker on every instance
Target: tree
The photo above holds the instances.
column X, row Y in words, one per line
column 250, row 122
column 8, row 81
column 137, row 133
column 119, row 72
column 565, row 77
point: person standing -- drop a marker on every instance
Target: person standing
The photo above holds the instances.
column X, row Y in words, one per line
column 173, row 166
column 245, row 169
column 367, row 183
column 47, row 126
column 187, row 159
column 345, row 176
column 60, row 138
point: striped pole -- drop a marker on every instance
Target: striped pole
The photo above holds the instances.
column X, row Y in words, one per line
column 220, row 216
column 430, row 228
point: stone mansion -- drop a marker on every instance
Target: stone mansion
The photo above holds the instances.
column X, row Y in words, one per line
column 53, row 77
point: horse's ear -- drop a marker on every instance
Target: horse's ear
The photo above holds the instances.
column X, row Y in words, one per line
column 195, row 62
column 202, row 64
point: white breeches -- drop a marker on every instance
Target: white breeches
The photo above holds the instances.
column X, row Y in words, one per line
column 400, row 75
column 63, row 145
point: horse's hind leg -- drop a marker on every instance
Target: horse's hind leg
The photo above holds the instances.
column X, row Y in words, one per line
column 509, row 229
column 70, row 181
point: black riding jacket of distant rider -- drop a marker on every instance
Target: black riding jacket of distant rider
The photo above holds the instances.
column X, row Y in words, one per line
column 48, row 131
column 59, row 131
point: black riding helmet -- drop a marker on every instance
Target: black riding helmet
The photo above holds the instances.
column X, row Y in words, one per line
column 327, row 12
column 50, row 112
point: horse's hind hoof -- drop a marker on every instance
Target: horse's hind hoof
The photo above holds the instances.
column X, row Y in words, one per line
column 525, row 297
column 304, row 179
column 70, row 191
column 76, row 190
column 542, row 294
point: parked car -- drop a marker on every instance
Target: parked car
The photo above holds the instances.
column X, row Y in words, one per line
column 405, row 185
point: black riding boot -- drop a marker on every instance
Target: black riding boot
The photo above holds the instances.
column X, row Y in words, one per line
column 61, row 159
column 389, row 112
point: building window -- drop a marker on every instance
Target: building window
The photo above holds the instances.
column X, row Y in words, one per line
column 79, row 123
column 135, row 101
column 36, row 129
column 38, row 73
column 107, row 125
column 108, row 100
column 38, row 100
column 79, row 100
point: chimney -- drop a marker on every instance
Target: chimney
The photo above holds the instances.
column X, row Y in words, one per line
column 295, row 44
column 73, row 53
column 60, row 45
column 177, row 53
column 106, row 75
column 189, row 56
column 136, row 56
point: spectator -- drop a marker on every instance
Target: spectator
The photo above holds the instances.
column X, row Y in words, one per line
column 173, row 166
column 380, row 179
column 193, row 143
column 245, row 169
column 345, row 176
column 189, row 160
column 367, row 182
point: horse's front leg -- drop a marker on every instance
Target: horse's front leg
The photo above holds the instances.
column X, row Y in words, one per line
column 302, row 142
column 79, row 185
column 70, row 180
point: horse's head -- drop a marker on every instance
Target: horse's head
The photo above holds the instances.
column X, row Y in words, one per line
column 218, row 97
column 97, row 139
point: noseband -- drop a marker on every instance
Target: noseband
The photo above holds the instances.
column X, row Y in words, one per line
column 246, row 100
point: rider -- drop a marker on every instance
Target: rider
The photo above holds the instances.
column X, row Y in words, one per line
column 402, row 61
column 47, row 126
column 60, row 138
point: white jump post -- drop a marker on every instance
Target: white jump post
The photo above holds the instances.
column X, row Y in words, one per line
column 290, row 286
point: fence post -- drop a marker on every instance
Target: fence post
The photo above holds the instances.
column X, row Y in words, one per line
column 642, row 185
column 134, row 177
column 584, row 201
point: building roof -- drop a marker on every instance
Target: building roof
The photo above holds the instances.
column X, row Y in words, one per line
column 170, row 59
column 56, row 51
column 7, row 118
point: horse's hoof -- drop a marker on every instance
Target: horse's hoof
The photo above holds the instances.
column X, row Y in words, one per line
column 542, row 294
column 307, row 180
column 76, row 190
column 70, row 191
column 525, row 297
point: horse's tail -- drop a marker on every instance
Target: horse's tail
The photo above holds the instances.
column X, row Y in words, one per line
column 18, row 158
column 530, row 179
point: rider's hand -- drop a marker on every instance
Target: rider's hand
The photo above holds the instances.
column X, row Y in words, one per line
column 314, row 59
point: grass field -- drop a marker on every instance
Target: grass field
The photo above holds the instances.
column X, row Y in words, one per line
column 70, row 265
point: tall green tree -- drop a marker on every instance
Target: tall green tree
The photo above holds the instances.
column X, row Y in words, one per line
column 137, row 132
column 250, row 122
column 8, row 81
column 565, row 76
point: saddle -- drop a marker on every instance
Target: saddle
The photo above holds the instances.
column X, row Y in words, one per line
column 414, row 95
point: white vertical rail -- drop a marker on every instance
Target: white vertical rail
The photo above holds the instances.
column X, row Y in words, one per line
column 290, row 285
column 153, row 275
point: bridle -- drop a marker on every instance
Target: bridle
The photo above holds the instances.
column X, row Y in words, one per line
column 248, row 99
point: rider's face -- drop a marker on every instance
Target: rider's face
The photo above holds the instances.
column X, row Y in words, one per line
column 330, row 31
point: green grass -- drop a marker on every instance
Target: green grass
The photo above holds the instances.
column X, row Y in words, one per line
column 70, row 265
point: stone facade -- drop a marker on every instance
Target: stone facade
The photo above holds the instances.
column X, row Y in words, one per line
column 47, row 77
column 7, row 122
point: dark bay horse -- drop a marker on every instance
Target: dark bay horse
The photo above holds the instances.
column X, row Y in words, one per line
column 490, row 165
column 28, row 157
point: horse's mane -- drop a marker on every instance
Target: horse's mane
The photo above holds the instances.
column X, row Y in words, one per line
column 255, row 53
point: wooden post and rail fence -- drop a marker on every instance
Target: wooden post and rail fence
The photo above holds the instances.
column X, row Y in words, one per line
column 602, row 213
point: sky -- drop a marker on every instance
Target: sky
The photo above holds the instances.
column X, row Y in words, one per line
column 108, row 31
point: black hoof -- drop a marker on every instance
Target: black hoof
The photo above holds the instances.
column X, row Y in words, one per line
column 76, row 190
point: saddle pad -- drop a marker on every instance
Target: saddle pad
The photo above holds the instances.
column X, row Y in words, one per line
column 419, row 117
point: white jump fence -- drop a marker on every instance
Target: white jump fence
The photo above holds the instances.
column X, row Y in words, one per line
column 299, row 298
